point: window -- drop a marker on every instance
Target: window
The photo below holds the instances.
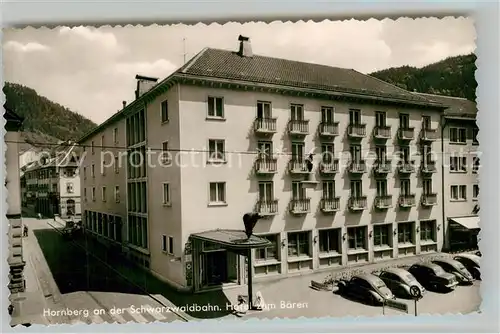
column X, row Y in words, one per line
column 405, row 233
column 166, row 194
column 405, row 154
column 297, row 151
column 164, row 243
column 93, row 194
column 426, row 154
column 164, row 111
column 117, row 166
column 269, row 252
column 380, row 119
column 265, row 149
column 216, row 150
column 404, row 121
column 327, row 115
column 297, row 112
column 165, row 158
column 69, row 187
column 329, row 241
column 355, row 151
column 328, row 153
column 170, row 245
column 458, row 192
column 115, row 135
column 475, row 165
column 84, row 173
column 298, row 191
column 92, row 149
column 426, row 122
column 217, row 192
column 328, row 189
column 354, row 117
column 427, row 230
column 266, row 191
column 102, row 142
column 427, row 186
column 458, row 135
column 381, row 152
column 381, row 235
column 458, row 164
column 298, row 244
column 475, row 132
column 357, row 237
column 215, row 107
column 85, row 194
column 117, row 194
column 381, row 188
column 356, row 188
column 104, row 194
column 264, row 110
column 475, row 191
column 92, row 170
column 405, row 187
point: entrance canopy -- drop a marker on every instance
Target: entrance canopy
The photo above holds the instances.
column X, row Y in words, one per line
column 470, row 223
column 232, row 239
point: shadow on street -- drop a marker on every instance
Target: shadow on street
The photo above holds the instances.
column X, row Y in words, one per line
column 100, row 269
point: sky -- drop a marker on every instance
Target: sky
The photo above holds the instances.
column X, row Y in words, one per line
column 91, row 71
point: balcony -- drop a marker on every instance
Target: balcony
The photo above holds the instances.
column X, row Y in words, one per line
column 406, row 134
column 357, row 167
column 265, row 125
column 329, row 167
column 357, row 203
column 329, row 205
column 328, row 129
column 429, row 199
column 266, row 165
column 298, row 127
column 267, row 207
column 298, row 166
column 406, row 167
column 300, row 206
column 407, row 201
column 428, row 167
column 428, row 135
column 382, row 132
column 356, row 130
column 383, row 202
column 382, row 167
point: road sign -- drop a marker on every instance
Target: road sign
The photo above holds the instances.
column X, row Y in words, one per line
column 394, row 304
column 415, row 292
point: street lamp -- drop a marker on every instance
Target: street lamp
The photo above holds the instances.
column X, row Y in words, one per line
column 249, row 221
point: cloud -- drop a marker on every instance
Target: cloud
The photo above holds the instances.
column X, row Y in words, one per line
column 158, row 68
column 108, row 40
column 23, row 48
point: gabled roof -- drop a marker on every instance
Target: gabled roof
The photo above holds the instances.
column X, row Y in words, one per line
column 61, row 158
column 457, row 106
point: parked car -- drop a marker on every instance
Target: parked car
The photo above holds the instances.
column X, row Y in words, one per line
column 399, row 281
column 433, row 276
column 456, row 268
column 366, row 287
column 471, row 263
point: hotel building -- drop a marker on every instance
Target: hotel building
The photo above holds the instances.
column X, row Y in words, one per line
column 233, row 132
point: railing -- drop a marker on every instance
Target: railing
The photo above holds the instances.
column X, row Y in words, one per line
column 357, row 202
column 406, row 133
column 267, row 207
column 382, row 132
column 296, row 126
column 329, row 128
column 428, row 167
column 298, row 166
column 265, row 165
column 265, row 125
column 328, row 167
column 330, row 204
column 429, row 199
column 383, row 166
column 301, row 205
column 407, row 200
column 429, row 134
column 356, row 130
column 406, row 167
column 383, row 201
column 357, row 166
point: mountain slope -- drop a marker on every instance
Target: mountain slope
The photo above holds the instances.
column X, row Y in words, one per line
column 454, row 76
column 44, row 119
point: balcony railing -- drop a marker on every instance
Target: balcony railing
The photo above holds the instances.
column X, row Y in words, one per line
column 300, row 206
column 428, row 167
column 429, row 135
column 266, row 165
column 267, row 207
column 407, row 201
column 357, row 203
column 298, row 127
column 265, row 125
column 356, row 130
column 329, row 167
column 382, row 132
column 328, row 129
column 383, row 202
column 406, row 167
column 382, row 166
column 406, row 133
column 330, row 204
column 429, row 199
column 297, row 166
column 357, row 167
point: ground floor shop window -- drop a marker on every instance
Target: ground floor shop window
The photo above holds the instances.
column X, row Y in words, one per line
column 270, row 252
column 329, row 241
column 405, row 233
column 428, row 230
column 357, row 238
column 381, row 235
column 298, row 244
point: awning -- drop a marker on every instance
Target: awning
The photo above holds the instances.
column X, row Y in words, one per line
column 467, row 222
column 232, row 239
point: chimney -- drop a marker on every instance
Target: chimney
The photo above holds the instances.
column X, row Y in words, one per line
column 144, row 84
column 245, row 47
column 124, row 104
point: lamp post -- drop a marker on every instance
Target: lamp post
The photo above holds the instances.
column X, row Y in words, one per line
column 249, row 220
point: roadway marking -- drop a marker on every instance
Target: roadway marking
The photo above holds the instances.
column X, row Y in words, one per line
column 157, row 315
column 138, row 317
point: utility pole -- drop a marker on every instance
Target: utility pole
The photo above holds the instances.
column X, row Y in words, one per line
column 184, row 49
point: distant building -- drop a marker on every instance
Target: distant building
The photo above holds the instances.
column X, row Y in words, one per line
column 52, row 183
column 16, row 259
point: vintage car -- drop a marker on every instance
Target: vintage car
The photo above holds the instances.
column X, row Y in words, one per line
column 366, row 287
column 399, row 281
column 432, row 276
column 472, row 263
column 456, row 268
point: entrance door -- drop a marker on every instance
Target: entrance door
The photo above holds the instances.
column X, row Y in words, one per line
column 214, row 268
